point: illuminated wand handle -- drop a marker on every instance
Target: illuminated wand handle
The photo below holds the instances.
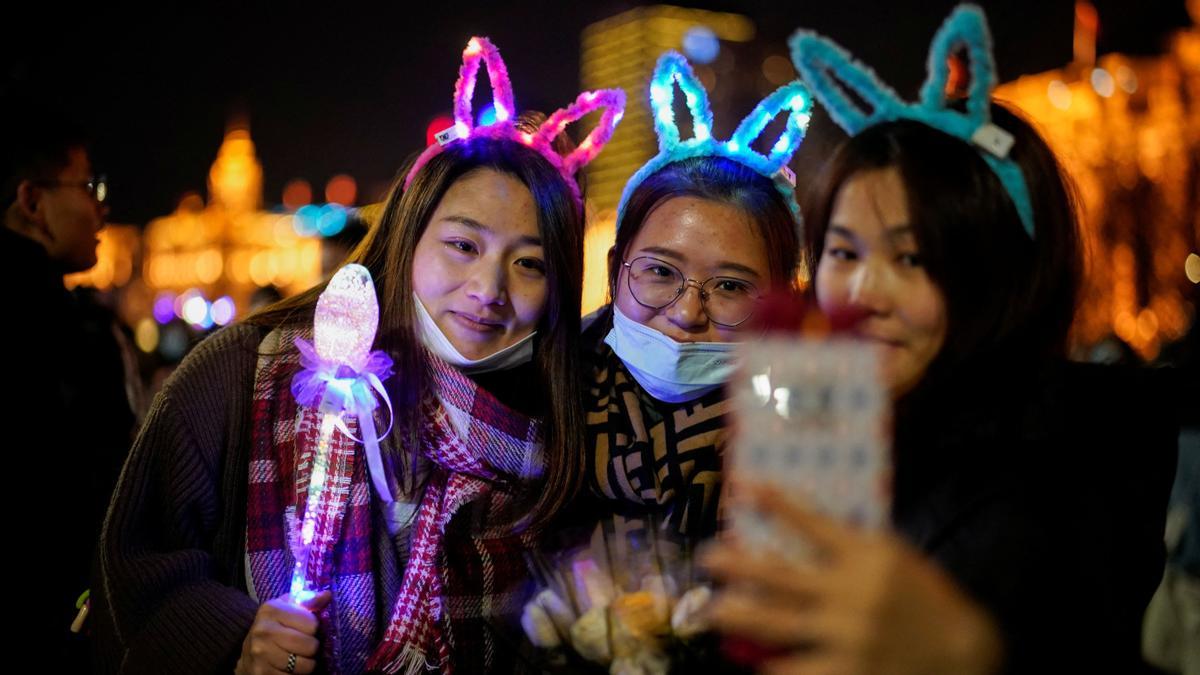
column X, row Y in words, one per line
column 301, row 589
column 342, row 379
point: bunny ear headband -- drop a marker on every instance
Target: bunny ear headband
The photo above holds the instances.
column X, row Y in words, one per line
column 832, row 73
column 792, row 98
column 480, row 49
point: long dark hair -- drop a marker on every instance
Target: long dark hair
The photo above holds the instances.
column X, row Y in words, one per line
column 1008, row 297
column 387, row 251
column 721, row 180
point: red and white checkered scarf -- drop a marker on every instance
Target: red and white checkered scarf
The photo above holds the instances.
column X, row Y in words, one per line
column 478, row 449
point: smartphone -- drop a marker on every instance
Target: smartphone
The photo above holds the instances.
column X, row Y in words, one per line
column 811, row 417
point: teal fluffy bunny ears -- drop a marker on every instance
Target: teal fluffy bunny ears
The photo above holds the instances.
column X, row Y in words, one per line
column 673, row 69
column 820, row 61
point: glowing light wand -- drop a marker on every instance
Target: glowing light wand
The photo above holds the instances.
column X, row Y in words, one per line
column 343, row 379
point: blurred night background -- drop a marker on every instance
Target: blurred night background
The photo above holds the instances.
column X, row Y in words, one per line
column 245, row 144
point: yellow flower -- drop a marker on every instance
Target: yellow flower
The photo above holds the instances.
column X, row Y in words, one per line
column 589, row 635
column 644, row 613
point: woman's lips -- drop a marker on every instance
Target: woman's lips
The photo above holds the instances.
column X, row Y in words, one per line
column 475, row 323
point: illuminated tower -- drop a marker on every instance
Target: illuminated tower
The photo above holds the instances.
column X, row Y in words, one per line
column 228, row 247
column 235, row 180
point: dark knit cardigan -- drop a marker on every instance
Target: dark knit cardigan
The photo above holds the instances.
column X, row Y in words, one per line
column 169, row 584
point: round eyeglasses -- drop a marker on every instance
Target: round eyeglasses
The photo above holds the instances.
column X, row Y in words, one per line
column 96, row 187
column 655, row 284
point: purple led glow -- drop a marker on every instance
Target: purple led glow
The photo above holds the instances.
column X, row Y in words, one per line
column 164, row 308
column 500, row 122
column 223, row 310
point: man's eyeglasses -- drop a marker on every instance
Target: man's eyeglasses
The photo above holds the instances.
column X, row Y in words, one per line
column 96, row 187
column 654, row 283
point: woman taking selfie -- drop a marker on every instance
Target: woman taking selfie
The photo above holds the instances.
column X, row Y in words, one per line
column 1028, row 492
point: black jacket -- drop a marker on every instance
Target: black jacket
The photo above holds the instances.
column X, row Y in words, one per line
column 1043, row 491
column 69, row 428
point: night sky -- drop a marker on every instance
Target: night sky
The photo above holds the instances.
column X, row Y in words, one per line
column 350, row 88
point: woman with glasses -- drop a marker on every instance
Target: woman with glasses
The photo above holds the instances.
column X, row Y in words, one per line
column 704, row 232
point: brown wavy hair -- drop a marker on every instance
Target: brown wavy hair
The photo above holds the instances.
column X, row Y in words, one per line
column 387, row 251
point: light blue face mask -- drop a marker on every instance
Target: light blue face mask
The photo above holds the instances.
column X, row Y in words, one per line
column 669, row 371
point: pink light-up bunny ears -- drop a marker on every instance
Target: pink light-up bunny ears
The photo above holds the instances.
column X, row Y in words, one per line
column 612, row 101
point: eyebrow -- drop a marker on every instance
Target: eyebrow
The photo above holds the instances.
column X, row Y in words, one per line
column 721, row 265
column 466, row 221
column 892, row 232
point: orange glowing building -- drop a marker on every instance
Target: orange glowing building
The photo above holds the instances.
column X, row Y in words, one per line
column 214, row 254
column 1127, row 129
column 229, row 246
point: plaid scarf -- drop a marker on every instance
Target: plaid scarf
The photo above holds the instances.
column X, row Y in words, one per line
column 647, row 459
column 460, row 572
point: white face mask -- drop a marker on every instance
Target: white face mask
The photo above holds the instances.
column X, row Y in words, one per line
column 668, row 370
column 437, row 342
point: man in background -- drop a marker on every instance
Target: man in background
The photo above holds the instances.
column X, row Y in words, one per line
column 71, row 424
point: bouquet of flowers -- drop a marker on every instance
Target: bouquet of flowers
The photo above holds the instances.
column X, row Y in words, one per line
column 606, row 608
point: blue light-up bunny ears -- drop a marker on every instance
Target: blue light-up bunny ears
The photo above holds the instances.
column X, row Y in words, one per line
column 829, row 70
column 673, row 69
column 966, row 28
